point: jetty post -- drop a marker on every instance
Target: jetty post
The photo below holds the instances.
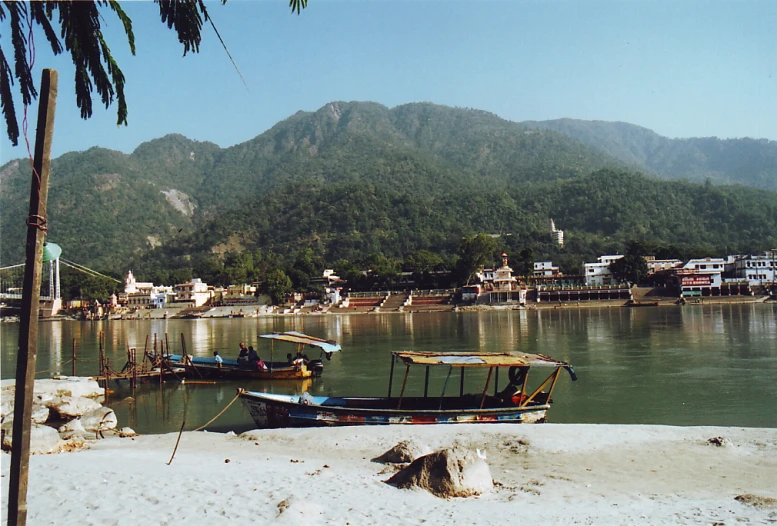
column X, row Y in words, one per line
column 28, row 330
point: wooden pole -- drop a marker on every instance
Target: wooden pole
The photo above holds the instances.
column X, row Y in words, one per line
column 100, row 355
column 485, row 389
column 404, row 384
column 28, row 330
column 107, row 376
column 74, row 356
column 145, row 350
column 391, row 375
column 445, row 386
column 134, row 367
column 187, row 360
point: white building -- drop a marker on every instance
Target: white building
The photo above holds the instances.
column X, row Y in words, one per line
column 194, row 292
column 496, row 286
column 705, row 265
column 132, row 286
column 698, row 277
column 757, row 270
column 556, row 235
column 145, row 295
column 545, row 269
column 659, row 265
column 598, row 274
column 501, row 278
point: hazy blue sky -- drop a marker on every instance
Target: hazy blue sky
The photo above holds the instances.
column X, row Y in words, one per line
column 682, row 69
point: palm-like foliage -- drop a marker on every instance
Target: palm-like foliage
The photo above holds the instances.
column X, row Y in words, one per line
column 80, row 34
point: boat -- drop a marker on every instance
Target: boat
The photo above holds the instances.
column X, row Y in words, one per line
column 294, row 367
column 632, row 303
column 516, row 403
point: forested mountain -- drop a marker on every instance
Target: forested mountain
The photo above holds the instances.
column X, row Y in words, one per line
column 599, row 212
column 357, row 179
column 749, row 162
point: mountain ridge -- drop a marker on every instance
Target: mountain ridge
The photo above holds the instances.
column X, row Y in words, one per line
column 399, row 176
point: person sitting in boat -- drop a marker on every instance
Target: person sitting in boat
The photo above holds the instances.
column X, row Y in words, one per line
column 242, row 359
column 511, row 395
column 298, row 362
column 243, row 352
column 254, row 360
column 219, row 360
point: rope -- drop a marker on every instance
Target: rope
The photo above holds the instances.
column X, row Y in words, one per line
column 36, row 221
column 221, row 413
column 86, row 270
column 52, row 370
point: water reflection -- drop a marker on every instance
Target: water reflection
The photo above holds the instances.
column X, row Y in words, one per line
column 692, row 365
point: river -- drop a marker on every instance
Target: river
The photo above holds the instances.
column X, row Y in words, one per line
column 691, row 365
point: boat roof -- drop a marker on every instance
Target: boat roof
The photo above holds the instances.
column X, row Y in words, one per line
column 297, row 337
column 477, row 359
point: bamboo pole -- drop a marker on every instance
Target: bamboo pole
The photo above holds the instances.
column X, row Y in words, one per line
column 28, row 330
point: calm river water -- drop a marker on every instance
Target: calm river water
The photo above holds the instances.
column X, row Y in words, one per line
column 692, row 365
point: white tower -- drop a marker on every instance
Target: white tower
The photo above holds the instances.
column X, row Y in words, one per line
column 556, row 235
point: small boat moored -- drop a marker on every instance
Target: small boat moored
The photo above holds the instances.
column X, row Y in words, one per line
column 513, row 404
column 294, row 367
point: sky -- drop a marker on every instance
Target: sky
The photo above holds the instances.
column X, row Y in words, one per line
column 682, row 69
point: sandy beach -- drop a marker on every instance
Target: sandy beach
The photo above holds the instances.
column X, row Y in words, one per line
column 550, row 473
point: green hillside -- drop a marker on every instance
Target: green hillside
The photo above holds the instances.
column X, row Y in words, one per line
column 599, row 212
column 105, row 206
column 354, row 180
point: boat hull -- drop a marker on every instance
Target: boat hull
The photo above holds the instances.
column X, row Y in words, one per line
column 275, row 411
column 231, row 370
column 234, row 373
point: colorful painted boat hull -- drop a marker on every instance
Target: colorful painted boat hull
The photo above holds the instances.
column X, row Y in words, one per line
column 274, row 411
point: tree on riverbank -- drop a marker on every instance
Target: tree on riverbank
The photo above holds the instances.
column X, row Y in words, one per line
column 632, row 267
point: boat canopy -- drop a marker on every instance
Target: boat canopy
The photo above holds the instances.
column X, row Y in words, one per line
column 474, row 359
column 328, row 346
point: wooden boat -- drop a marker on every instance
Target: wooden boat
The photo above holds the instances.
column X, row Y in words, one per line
column 514, row 404
column 632, row 303
column 295, row 367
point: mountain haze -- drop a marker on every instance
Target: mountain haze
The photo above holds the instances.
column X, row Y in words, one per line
column 749, row 162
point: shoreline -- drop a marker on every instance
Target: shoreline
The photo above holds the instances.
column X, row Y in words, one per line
column 660, row 302
column 558, row 473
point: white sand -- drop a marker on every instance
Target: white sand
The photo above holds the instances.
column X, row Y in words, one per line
column 551, row 473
